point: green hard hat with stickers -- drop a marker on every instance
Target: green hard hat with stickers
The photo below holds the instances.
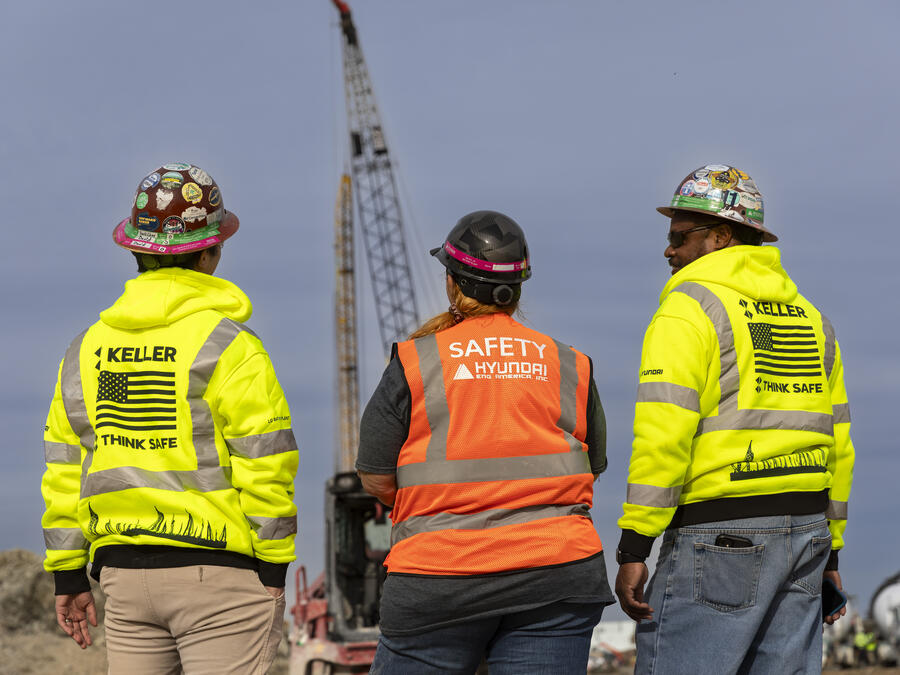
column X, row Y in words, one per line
column 722, row 191
column 176, row 209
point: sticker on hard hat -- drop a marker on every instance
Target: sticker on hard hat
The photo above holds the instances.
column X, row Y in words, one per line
column 193, row 213
column 191, row 193
column 751, row 201
column 704, row 203
column 163, row 198
column 213, row 218
column 147, row 222
column 173, row 225
column 724, row 179
column 141, row 200
column 214, row 197
column 200, row 175
column 177, row 166
column 150, row 181
column 172, row 180
column 477, row 263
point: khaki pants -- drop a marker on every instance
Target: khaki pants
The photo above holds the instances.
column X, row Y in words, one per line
column 197, row 620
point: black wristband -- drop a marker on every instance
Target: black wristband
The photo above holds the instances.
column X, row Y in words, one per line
column 71, row 582
column 637, row 545
column 623, row 557
column 832, row 564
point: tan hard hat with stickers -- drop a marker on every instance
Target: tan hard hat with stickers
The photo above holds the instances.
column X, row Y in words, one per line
column 723, row 191
column 177, row 209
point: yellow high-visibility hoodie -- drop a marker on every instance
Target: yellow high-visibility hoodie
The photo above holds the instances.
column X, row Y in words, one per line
column 741, row 408
column 168, row 440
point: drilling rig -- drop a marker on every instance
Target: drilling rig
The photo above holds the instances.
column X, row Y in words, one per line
column 336, row 617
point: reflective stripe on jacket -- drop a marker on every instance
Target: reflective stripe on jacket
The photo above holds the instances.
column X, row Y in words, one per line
column 494, row 475
column 168, row 427
column 741, row 394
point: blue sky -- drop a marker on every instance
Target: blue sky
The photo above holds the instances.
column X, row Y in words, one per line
column 575, row 117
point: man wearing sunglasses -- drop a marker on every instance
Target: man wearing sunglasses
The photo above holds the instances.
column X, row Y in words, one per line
column 742, row 456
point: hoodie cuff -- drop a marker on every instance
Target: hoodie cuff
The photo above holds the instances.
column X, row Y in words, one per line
column 71, row 582
column 637, row 545
column 272, row 574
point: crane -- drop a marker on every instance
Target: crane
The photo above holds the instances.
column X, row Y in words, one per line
column 378, row 205
column 336, row 618
column 345, row 329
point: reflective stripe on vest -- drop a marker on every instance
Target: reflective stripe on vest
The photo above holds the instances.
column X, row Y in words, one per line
column 209, row 475
column 730, row 418
column 483, row 519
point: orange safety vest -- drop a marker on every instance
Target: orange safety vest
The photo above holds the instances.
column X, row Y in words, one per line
column 494, row 474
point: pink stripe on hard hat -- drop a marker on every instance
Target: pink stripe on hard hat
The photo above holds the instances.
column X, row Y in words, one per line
column 477, row 263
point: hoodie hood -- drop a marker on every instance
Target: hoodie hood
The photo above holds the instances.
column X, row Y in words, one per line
column 752, row 271
column 161, row 297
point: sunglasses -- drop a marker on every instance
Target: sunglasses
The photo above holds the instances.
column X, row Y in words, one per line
column 676, row 239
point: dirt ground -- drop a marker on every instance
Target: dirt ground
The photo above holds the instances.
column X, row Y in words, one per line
column 42, row 652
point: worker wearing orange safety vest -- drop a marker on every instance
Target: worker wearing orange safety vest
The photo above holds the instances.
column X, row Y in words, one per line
column 486, row 436
column 170, row 456
column 742, row 456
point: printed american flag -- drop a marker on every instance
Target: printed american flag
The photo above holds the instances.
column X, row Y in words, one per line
column 138, row 401
column 785, row 351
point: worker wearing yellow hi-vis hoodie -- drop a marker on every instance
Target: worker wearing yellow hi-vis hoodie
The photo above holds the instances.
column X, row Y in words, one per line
column 170, row 456
column 742, row 455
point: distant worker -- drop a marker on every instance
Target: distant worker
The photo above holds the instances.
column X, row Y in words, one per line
column 742, row 455
column 486, row 436
column 170, row 456
column 865, row 644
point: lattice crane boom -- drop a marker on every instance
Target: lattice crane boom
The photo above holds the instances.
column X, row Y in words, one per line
column 345, row 329
column 377, row 201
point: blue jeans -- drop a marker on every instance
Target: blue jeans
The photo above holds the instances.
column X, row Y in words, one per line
column 550, row 640
column 737, row 610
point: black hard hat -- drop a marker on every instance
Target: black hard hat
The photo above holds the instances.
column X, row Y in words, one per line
column 486, row 246
column 487, row 255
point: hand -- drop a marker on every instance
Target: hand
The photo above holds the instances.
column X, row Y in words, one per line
column 630, row 588
column 275, row 591
column 836, row 578
column 73, row 612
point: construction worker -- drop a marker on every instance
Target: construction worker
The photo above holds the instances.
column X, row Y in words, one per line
column 170, row 456
column 485, row 436
column 742, row 456
column 865, row 644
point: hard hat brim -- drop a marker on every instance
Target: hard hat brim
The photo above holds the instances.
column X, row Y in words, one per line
column 227, row 227
column 669, row 211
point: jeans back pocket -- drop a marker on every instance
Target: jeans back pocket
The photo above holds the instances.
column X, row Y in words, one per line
column 726, row 579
